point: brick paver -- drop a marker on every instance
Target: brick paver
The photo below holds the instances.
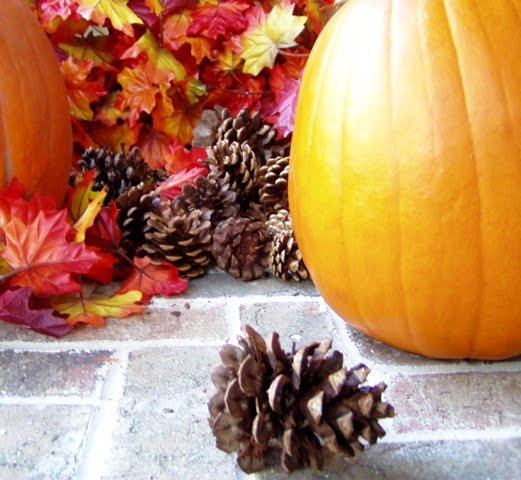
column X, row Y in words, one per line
column 129, row 401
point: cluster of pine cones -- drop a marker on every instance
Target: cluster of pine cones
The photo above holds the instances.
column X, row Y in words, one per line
column 236, row 215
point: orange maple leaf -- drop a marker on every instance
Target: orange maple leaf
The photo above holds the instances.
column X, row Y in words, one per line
column 141, row 84
column 177, row 117
column 41, row 257
column 81, row 92
column 156, row 147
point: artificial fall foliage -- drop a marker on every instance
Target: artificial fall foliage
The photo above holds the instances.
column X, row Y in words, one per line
column 141, row 72
column 52, row 260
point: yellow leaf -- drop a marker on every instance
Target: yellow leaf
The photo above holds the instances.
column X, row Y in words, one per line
column 268, row 34
column 160, row 57
column 117, row 11
column 155, row 5
column 88, row 215
column 4, row 266
column 80, row 308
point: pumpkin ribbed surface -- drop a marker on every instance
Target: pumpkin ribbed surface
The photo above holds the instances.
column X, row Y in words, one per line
column 35, row 125
column 405, row 173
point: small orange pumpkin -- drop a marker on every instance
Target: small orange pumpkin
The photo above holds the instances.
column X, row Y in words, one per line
column 405, row 173
column 35, row 124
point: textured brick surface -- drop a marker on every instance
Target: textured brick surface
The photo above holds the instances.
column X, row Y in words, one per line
column 457, row 401
column 41, row 442
column 298, row 322
column 39, row 374
column 176, row 319
column 470, row 460
column 129, row 401
column 162, row 432
column 220, row 284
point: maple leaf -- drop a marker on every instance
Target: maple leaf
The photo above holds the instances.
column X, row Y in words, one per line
column 13, row 203
column 156, row 147
column 83, row 204
column 267, row 34
column 80, row 91
column 103, row 269
column 117, row 11
column 108, row 114
column 222, row 19
column 160, row 57
column 93, row 43
column 113, row 136
column 105, row 233
column 92, row 309
column 13, row 192
column 160, row 278
column 177, row 116
column 173, row 185
column 50, row 9
column 150, row 18
column 15, row 308
column 40, row 255
column 175, row 29
column 319, row 12
column 285, row 90
column 155, row 6
column 141, row 84
column 249, row 94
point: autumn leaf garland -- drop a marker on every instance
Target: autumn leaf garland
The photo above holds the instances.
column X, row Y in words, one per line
column 140, row 72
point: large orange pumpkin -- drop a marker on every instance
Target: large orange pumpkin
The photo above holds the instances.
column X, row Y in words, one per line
column 35, row 125
column 405, row 173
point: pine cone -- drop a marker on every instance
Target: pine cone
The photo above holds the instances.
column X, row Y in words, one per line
column 241, row 247
column 274, row 184
column 205, row 132
column 218, row 124
column 285, row 259
column 180, row 237
column 254, row 211
column 305, row 406
column 118, row 171
column 278, row 221
column 237, row 165
column 134, row 204
column 211, row 193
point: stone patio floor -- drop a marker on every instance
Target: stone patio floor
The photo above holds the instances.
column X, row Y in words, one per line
column 129, row 401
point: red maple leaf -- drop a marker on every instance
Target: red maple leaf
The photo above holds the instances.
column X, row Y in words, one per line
column 173, row 185
column 103, row 269
column 41, row 257
column 105, row 233
column 153, row 279
column 223, row 19
column 169, row 7
column 15, row 308
column 8, row 196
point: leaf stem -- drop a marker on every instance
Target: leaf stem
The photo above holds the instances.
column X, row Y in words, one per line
column 287, row 53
